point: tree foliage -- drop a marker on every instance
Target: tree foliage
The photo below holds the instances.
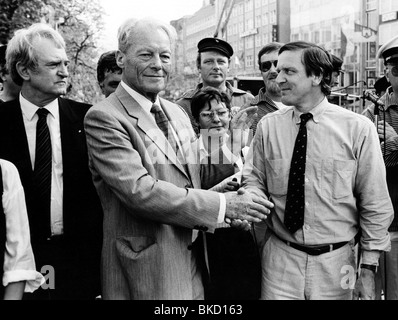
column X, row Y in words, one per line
column 79, row 21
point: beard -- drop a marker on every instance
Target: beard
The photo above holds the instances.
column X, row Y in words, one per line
column 273, row 88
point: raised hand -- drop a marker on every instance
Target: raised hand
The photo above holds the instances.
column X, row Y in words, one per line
column 239, row 128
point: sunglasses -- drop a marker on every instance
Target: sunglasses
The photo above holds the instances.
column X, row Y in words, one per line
column 266, row 65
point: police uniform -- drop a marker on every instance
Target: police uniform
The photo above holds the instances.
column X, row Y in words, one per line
column 387, row 274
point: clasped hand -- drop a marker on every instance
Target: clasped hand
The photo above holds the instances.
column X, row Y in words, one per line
column 244, row 208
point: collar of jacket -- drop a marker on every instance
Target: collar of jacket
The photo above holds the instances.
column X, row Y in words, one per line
column 262, row 97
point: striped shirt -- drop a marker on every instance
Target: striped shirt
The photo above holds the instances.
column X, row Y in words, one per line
column 390, row 115
column 389, row 147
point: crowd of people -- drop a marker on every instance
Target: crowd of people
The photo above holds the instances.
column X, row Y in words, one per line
column 220, row 196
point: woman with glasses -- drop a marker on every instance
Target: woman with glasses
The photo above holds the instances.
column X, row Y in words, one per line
column 230, row 254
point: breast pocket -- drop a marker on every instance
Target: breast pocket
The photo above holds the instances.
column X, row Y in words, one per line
column 343, row 171
column 277, row 172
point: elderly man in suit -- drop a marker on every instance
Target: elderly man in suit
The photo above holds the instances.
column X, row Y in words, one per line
column 43, row 135
column 150, row 192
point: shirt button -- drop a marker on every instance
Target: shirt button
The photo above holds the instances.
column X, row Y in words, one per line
column 307, row 227
column 307, row 204
column 307, row 180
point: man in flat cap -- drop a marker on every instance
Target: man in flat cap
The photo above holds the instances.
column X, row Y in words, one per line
column 213, row 60
column 388, row 133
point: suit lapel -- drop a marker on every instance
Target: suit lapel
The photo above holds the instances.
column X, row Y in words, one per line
column 148, row 125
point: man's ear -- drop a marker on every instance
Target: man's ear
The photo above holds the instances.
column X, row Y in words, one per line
column 120, row 59
column 316, row 80
column 23, row 71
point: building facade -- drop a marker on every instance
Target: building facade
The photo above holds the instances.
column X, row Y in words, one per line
column 350, row 29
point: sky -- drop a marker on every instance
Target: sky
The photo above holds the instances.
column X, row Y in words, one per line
column 119, row 10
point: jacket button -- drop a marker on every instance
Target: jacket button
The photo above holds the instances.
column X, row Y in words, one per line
column 190, row 247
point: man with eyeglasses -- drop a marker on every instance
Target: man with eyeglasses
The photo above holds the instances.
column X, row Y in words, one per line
column 387, row 127
column 269, row 97
column 213, row 61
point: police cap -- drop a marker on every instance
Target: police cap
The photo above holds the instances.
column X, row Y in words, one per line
column 389, row 50
column 215, row 44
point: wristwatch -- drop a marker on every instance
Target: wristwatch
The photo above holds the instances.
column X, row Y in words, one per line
column 369, row 267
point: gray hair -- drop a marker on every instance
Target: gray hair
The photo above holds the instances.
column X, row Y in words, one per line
column 20, row 49
column 128, row 31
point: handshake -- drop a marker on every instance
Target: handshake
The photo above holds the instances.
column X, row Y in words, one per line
column 244, row 208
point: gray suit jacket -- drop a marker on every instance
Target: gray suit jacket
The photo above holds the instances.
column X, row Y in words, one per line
column 150, row 203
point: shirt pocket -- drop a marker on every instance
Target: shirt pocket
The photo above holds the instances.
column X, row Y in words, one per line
column 277, row 172
column 343, row 171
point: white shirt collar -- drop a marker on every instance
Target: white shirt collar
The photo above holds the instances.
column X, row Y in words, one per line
column 142, row 101
column 29, row 109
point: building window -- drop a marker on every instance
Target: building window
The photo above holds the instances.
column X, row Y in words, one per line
column 258, row 40
column 258, row 21
column 315, row 37
column 265, row 19
column 249, row 42
column 273, row 17
column 241, row 27
column 249, row 24
column 249, row 61
column 248, row 5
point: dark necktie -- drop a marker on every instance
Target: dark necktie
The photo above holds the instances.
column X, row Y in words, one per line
column 294, row 211
column 163, row 124
column 42, row 169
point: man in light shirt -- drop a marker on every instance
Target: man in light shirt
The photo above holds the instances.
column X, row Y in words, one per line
column 65, row 224
column 151, row 196
column 340, row 194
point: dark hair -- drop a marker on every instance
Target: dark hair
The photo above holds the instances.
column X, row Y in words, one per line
column 3, row 67
column 381, row 85
column 271, row 47
column 107, row 63
column 317, row 61
column 203, row 98
column 337, row 63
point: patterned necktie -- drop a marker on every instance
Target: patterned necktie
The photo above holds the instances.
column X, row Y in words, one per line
column 42, row 169
column 294, row 211
column 163, row 124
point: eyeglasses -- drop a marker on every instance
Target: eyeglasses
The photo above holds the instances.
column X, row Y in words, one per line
column 394, row 70
column 209, row 115
column 266, row 65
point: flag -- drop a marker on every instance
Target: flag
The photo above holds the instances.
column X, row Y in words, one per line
column 343, row 45
column 347, row 42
